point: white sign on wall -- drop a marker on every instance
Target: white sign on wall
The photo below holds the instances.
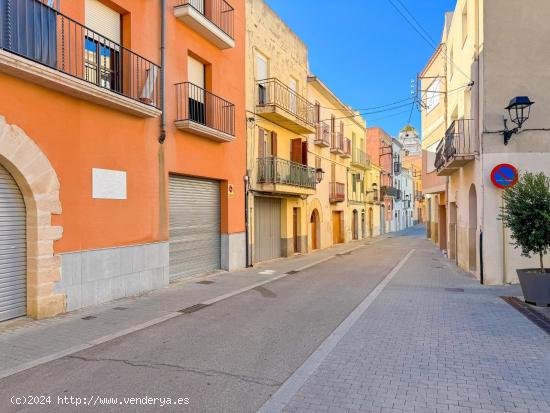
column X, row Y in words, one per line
column 108, row 184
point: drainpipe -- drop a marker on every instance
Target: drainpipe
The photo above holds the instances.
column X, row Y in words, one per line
column 246, row 218
column 481, row 257
column 162, row 136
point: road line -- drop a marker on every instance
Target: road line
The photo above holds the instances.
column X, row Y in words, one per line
column 150, row 323
column 292, row 385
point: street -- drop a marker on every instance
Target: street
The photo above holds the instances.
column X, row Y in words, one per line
column 233, row 355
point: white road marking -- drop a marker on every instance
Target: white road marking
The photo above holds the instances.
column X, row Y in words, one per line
column 292, row 385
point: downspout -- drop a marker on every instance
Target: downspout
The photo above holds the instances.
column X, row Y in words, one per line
column 162, row 136
column 163, row 208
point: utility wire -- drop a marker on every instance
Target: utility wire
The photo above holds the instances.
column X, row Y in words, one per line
column 428, row 39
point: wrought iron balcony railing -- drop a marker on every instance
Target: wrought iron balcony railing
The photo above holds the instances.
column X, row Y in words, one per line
column 196, row 104
column 322, row 134
column 346, row 153
column 273, row 170
column 459, row 146
column 389, row 191
column 337, row 192
column 272, row 92
column 360, row 158
column 219, row 12
column 337, row 142
column 33, row 30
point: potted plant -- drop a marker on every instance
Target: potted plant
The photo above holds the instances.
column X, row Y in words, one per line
column 526, row 212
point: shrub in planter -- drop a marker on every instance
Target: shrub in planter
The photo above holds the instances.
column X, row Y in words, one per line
column 526, row 212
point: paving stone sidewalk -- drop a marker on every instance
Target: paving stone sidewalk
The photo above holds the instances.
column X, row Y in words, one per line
column 422, row 348
column 25, row 341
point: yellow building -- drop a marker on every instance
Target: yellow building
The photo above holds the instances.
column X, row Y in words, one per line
column 482, row 68
column 434, row 124
column 279, row 120
column 338, row 212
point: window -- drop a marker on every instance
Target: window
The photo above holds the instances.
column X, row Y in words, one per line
column 196, row 76
column 465, row 22
column 450, row 62
column 262, row 69
column 102, row 64
column 433, row 95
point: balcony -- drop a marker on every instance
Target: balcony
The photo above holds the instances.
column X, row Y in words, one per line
column 322, row 135
column 337, row 192
column 397, row 168
column 357, row 197
column 43, row 46
column 203, row 113
column 284, row 107
column 390, row 192
column 360, row 159
column 212, row 19
column 286, row 177
column 337, row 143
column 459, row 147
column 373, row 197
column 346, row 153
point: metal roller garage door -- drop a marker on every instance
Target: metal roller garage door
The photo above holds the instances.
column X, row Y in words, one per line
column 195, row 244
column 13, row 249
column 267, row 228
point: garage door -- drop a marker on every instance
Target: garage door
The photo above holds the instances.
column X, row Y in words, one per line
column 13, row 249
column 195, row 246
column 267, row 228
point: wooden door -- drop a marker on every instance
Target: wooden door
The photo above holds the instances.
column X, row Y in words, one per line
column 314, row 245
column 336, row 228
column 295, row 229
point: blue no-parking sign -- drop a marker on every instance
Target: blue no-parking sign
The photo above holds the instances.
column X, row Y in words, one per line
column 504, row 176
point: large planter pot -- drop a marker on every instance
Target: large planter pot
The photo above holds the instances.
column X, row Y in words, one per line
column 535, row 286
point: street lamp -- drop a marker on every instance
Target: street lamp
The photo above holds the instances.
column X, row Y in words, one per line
column 319, row 174
column 519, row 110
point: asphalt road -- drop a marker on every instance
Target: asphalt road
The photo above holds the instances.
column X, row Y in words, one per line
column 229, row 357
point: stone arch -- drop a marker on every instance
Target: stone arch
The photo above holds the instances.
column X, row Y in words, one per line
column 39, row 185
column 355, row 225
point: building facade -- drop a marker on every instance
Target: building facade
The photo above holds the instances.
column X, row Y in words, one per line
column 100, row 206
column 475, row 51
column 280, row 119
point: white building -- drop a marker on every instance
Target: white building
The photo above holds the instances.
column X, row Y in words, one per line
column 410, row 140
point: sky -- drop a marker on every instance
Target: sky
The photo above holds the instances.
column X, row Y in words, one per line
column 366, row 52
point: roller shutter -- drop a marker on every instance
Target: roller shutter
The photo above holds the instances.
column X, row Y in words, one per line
column 195, row 245
column 13, row 249
column 267, row 228
column 103, row 20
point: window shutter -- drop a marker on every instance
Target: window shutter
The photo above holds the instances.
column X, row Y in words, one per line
column 103, row 20
column 261, row 143
column 296, row 150
column 304, row 153
column 274, row 143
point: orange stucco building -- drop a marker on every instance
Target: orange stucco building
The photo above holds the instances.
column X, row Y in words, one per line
column 93, row 206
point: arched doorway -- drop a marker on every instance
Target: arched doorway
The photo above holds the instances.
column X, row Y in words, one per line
column 355, row 224
column 34, row 187
column 315, row 230
column 371, row 223
column 472, row 229
column 363, row 225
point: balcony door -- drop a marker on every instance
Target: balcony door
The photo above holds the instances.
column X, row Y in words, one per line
column 102, row 53
column 197, row 103
column 261, row 75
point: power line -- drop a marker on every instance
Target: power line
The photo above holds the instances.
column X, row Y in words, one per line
column 428, row 39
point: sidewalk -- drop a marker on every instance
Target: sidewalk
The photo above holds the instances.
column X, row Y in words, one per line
column 25, row 343
column 433, row 340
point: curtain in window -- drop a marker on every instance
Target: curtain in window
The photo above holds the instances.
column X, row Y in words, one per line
column 29, row 28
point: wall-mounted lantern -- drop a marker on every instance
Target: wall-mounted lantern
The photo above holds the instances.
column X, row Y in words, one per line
column 319, row 174
column 519, row 110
